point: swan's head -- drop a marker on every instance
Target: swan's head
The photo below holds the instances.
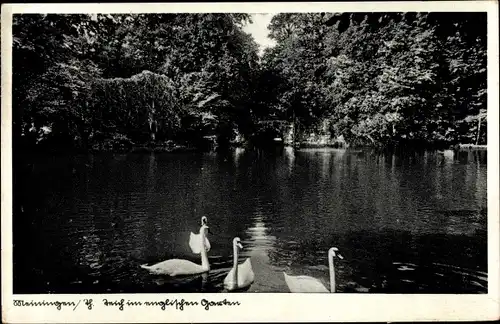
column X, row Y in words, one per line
column 204, row 220
column 237, row 242
column 334, row 252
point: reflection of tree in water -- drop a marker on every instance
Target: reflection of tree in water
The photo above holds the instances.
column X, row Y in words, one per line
column 91, row 258
column 289, row 153
column 237, row 155
column 481, row 189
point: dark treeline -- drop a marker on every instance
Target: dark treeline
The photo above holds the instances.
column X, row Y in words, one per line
column 108, row 81
column 118, row 81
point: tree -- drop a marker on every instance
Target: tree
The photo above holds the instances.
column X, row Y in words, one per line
column 132, row 77
column 381, row 78
column 46, row 47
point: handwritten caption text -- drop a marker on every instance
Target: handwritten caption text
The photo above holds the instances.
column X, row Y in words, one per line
column 123, row 304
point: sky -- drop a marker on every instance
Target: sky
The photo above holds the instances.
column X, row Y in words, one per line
column 259, row 30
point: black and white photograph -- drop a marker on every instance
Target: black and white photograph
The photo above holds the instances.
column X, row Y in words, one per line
column 250, row 152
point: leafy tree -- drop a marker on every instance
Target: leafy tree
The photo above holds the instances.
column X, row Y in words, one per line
column 381, row 78
column 296, row 60
column 46, row 47
column 138, row 78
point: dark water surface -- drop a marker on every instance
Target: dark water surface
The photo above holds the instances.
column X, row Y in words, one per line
column 84, row 224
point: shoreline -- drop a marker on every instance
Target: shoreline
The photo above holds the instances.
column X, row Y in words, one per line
column 180, row 148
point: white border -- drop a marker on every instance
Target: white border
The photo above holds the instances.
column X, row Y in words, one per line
column 258, row 306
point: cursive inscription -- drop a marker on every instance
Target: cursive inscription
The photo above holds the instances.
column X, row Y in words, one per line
column 122, row 304
column 209, row 303
column 178, row 304
column 57, row 304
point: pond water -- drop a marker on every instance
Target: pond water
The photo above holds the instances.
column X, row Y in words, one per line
column 404, row 224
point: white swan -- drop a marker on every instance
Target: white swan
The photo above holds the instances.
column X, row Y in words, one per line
column 194, row 239
column 179, row 267
column 241, row 275
column 306, row 284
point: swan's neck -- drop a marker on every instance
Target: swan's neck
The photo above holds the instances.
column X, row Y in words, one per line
column 332, row 273
column 235, row 264
column 203, row 253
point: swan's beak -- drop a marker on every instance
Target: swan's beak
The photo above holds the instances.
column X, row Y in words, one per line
column 340, row 257
column 239, row 245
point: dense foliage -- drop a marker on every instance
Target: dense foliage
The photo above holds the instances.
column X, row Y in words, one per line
column 117, row 81
column 382, row 78
column 103, row 81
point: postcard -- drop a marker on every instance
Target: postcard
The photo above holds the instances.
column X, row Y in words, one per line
column 278, row 162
